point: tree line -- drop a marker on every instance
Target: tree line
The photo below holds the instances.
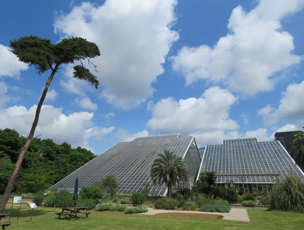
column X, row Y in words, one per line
column 45, row 163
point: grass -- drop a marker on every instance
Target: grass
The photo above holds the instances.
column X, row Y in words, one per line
column 44, row 218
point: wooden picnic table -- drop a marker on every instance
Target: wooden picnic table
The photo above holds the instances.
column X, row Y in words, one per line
column 2, row 223
column 73, row 211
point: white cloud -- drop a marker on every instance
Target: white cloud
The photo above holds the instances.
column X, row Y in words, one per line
column 10, row 65
column 124, row 135
column 260, row 134
column 3, row 91
column 134, row 38
column 75, row 128
column 289, row 127
column 291, row 106
column 247, row 58
column 51, row 95
column 208, row 113
column 86, row 103
column 109, row 115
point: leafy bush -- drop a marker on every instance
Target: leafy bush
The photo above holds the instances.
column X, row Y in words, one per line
column 248, row 196
column 230, row 195
column 59, row 199
column 166, row 203
column 205, row 200
column 138, row 198
column 137, row 209
column 189, row 206
column 90, row 192
column 121, row 208
column 288, row 194
column 249, row 203
column 38, row 199
column 102, row 207
column 90, row 203
column 50, row 200
column 265, row 202
column 223, row 202
column 125, row 200
column 214, row 208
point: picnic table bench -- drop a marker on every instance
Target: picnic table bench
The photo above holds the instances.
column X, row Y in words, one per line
column 2, row 223
column 73, row 211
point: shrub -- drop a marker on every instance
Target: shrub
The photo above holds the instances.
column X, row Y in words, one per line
column 189, row 206
column 50, row 200
column 166, row 203
column 137, row 209
column 138, row 198
column 248, row 196
column 249, row 203
column 288, row 194
column 125, row 200
column 59, row 199
column 38, row 199
column 90, row 203
column 90, row 192
column 230, row 195
column 102, row 207
column 121, row 208
column 205, row 200
column 223, row 202
column 214, row 208
column 265, row 202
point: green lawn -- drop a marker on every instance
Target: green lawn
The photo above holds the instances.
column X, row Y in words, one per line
column 44, row 218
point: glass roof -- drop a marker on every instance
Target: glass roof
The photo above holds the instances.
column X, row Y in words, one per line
column 248, row 156
column 131, row 163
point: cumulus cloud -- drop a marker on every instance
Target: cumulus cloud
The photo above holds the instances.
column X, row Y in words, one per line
column 75, row 128
column 10, row 65
column 51, row 95
column 86, row 103
column 3, row 91
column 134, row 38
column 291, row 106
column 247, row 58
column 124, row 135
column 210, row 112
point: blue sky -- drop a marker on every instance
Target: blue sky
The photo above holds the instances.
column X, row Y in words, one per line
column 211, row 69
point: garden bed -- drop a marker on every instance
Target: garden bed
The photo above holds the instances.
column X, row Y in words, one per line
column 197, row 215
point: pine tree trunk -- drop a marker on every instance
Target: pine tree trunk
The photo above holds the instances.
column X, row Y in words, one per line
column 12, row 180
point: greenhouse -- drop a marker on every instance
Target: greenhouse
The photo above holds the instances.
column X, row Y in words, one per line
column 249, row 162
column 131, row 163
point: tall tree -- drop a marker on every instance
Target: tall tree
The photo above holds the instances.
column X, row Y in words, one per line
column 47, row 56
column 296, row 148
column 170, row 169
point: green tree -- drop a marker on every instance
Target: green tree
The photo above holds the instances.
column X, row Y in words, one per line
column 47, row 56
column 33, row 182
column 6, row 169
column 109, row 184
column 170, row 169
column 296, row 148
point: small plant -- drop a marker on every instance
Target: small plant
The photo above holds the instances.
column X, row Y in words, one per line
column 248, row 196
column 102, row 207
column 121, row 208
column 224, row 202
column 166, row 203
column 249, row 203
column 138, row 198
column 189, row 206
column 265, row 202
column 38, row 199
column 137, row 209
column 214, row 208
column 205, row 200
column 90, row 192
column 125, row 200
column 90, row 203
column 288, row 194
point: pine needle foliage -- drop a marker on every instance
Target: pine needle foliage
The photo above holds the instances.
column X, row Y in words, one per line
column 288, row 194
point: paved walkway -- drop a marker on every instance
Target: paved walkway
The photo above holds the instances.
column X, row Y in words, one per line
column 236, row 214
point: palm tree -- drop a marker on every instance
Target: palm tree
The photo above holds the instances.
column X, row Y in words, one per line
column 296, row 148
column 170, row 169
